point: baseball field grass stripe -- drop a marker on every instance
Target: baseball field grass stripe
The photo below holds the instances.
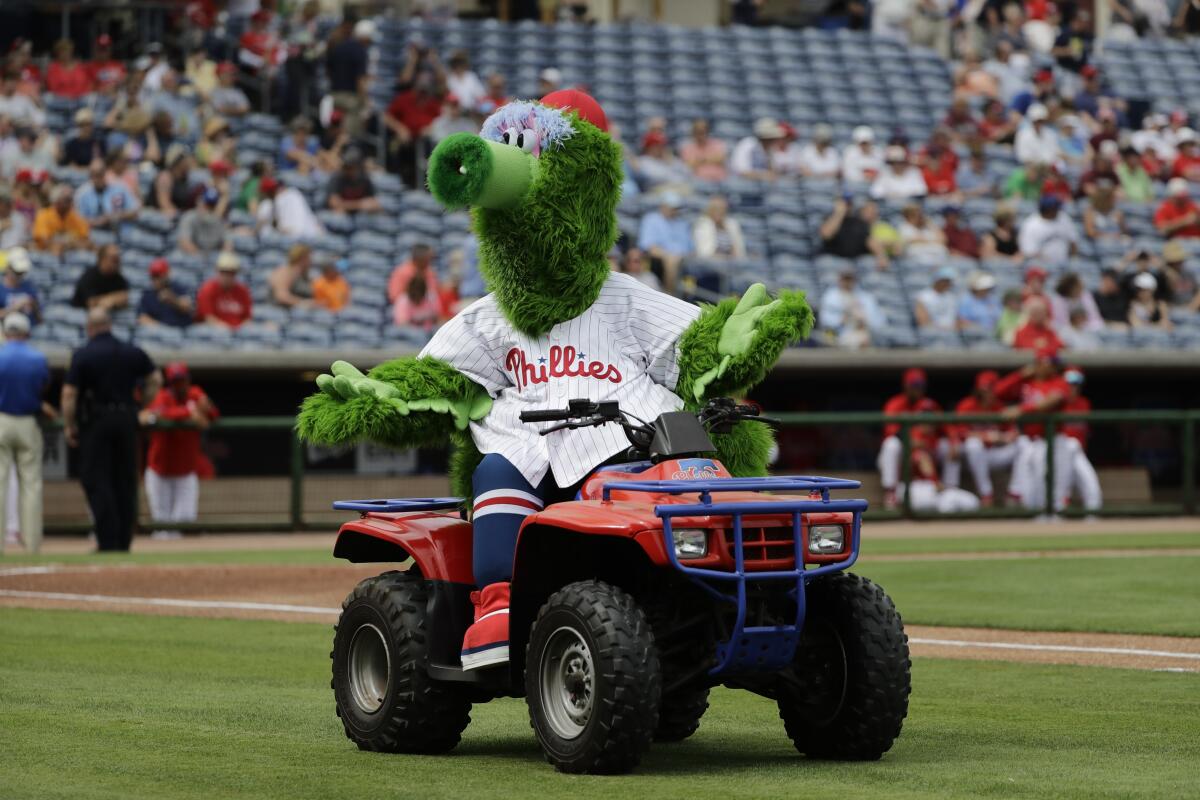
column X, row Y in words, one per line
column 171, row 602
column 1056, row 648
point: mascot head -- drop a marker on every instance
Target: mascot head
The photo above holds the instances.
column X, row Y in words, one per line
column 542, row 180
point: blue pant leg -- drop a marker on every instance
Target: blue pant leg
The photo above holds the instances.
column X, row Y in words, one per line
column 502, row 500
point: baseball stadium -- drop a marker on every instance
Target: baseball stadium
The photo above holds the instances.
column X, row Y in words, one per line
column 426, row 398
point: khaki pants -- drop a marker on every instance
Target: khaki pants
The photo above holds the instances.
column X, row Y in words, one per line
column 21, row 447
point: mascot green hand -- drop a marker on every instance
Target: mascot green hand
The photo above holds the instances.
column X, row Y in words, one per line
column 542, row 181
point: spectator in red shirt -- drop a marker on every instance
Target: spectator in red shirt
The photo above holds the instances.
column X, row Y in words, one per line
column 1037, row 333
column 1178, row 216
column 66, row 76
column 408, row 118
column 106, row 73
column 910, row 401
column 960, row 239
column 1187, row 163
column 173, row 459
column 224, row 301
column 938, row 168
column 259, row 47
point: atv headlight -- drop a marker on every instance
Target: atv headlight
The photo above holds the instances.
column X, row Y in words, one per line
column 826, row 539
column 690, row 542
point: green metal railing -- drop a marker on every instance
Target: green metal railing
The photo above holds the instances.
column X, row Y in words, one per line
column 295, row 518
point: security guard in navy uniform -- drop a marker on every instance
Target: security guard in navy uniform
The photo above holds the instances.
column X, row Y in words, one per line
column 99, row 411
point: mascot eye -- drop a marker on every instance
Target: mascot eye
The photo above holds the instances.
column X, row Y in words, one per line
column 510, row 137
column 526, row 139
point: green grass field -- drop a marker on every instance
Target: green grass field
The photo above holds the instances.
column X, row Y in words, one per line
column 116, row 706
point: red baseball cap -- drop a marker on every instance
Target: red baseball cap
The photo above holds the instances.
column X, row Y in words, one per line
column 914, row 376
column 104, row 40
column 1044, row 76
column 219, row 166
column 336, row 116
column 176, row 371
column 268, row 184
column 581, row 103
column 1090, row 71
column 226, row 66
column 1034, row 271
column 159, row 267
column 986, row 379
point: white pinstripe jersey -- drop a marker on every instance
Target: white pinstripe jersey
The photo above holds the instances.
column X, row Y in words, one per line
column 625, row 347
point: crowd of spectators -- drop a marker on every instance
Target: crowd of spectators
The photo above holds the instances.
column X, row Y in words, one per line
column 160, row 129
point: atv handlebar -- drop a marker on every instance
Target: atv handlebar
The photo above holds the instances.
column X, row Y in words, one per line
column 575, row 410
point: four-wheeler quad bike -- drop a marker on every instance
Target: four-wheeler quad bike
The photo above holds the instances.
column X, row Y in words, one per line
column 631, row 598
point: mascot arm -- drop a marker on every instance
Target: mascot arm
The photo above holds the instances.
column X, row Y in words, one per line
column 409, row 402
column 733, row 345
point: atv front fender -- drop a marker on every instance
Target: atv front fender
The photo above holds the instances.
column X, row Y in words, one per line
column 439, row 544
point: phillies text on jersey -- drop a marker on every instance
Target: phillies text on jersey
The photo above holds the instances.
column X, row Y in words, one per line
column 624, row 347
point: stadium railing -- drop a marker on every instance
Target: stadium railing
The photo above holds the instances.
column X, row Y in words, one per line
column 289, row 494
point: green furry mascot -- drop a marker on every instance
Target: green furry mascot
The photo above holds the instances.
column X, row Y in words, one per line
column 542, row 181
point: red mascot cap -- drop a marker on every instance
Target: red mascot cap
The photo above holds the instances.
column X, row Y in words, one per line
column 581, row 103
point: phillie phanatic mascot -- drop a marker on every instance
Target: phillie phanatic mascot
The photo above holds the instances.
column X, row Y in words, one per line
column 542, row 180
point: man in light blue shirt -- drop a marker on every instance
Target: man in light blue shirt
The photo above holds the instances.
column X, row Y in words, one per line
column 105, row 205
column 979, row 309
column 24, row 374
column 666, row 237
column 846, row 307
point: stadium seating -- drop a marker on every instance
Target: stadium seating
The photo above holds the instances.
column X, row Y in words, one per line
column 729, row 75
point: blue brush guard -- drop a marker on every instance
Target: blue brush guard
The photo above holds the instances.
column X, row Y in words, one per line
column 754, row 648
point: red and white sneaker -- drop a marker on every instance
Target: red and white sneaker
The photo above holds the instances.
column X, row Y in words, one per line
column 486, row 642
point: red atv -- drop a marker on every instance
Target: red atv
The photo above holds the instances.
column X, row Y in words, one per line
column 656, row 581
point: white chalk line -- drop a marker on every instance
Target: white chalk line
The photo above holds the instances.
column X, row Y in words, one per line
column 167, row 602
column 39, row 570
column 1056, row 648
column 295, row 609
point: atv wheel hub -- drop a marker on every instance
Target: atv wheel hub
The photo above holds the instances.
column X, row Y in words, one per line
column 567, row 676
column 370, row 668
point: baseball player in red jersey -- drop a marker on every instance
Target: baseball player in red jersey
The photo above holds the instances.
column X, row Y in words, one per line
column 913, row 401
column 1037, row 387
column 927, row 493
column 986, row 446
column 1083, row 475
column 172, row 485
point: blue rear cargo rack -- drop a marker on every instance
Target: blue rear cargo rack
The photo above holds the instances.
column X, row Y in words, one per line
column 754, row 648
column 399, row 504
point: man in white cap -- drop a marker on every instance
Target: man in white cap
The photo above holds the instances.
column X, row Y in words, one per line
column 862, row 160
column 24, row 374
column 1178, row 216
column 1037, row 140
column 937, row 306
column 17, row 292
column 751, row 156
column 819, row 158
column 900, row 180
column 550, row 80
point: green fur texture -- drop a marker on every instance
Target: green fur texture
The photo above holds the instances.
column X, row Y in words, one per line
column 326, row 420
column 450, row 187
column 790, row 321
column 745, row 450
column 546, row 258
